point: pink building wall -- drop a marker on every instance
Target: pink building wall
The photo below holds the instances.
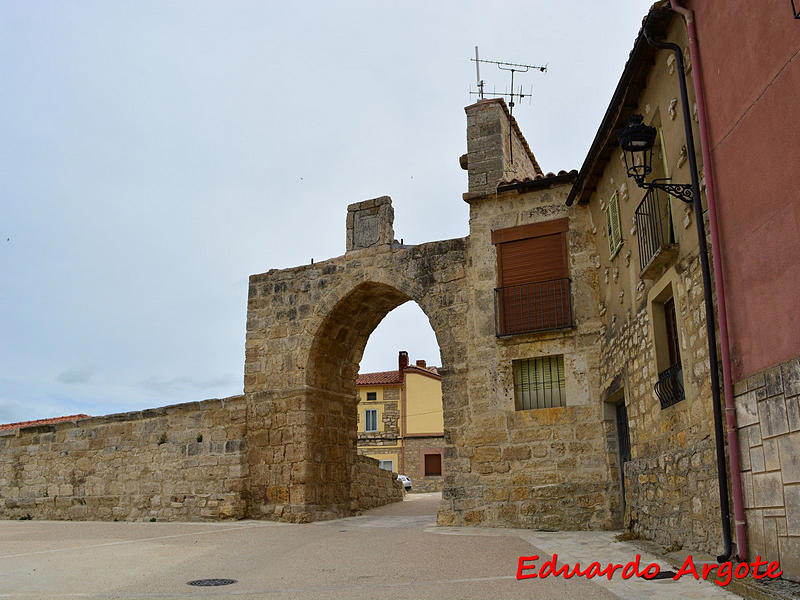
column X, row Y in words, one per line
column 750, row 53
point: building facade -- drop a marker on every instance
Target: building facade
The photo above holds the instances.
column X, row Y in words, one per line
column 400, row 421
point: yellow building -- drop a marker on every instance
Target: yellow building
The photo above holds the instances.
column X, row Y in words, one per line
column 400, row 421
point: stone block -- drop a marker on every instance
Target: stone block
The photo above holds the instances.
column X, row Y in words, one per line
column 772, row 414
column 757, row 459
column 793, row 413
column 789, row 548
column 746, row 409
column 773, row 382
column 767, row 490
column 791, row 495
column 772, row 461
column 790, row 373
column 789, row 446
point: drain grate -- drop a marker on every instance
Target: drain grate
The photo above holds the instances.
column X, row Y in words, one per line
column 210, row 582
column 661, row 575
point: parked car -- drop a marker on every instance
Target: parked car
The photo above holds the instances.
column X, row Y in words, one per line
column 405, row 481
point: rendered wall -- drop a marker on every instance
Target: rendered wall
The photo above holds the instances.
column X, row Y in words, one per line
column 423, row 404
column 752, row 105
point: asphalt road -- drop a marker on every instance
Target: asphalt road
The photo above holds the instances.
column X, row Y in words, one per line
column 391, row 552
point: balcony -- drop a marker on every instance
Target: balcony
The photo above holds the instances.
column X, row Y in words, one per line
column 657, row 247
column 532, row 307
column 669, row 388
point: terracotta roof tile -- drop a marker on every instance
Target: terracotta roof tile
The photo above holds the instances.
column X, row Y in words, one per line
column 538, row 177
column 50, row 421
column 379, row 378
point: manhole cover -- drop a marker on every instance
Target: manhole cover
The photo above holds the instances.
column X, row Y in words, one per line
column 210, row 582
column 662, row 575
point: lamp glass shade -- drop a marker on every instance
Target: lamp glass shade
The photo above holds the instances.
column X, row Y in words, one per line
column 637, row 141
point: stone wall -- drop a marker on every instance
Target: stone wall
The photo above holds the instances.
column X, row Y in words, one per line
column 671, row 497
column 672, row 475
column 372, row 486
column 541, row 468
column 414, row 450
column 181, row 462
column 768, row 416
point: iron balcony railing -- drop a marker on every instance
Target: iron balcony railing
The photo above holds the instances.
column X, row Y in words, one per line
column 669, row 388
column 530, row 307
column 653, row 225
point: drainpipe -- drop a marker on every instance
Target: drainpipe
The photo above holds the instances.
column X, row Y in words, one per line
column 730, row 405
column 719, row 437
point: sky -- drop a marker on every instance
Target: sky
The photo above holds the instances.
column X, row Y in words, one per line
column 153, row 155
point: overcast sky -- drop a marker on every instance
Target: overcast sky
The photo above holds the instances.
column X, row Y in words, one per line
column 155, row 154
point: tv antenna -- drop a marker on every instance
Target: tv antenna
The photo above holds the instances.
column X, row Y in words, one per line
column 504, row 66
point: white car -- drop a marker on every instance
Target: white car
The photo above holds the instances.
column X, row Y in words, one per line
column 405, row 481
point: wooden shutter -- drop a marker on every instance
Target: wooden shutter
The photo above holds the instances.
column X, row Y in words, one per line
column 533, row 274
column 614, row 228
column 535, row 259
column 433, row 464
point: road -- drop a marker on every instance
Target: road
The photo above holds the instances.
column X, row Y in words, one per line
column 394, row 552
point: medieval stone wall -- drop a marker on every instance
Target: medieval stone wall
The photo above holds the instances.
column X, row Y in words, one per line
column 306, row 331
column 182, row 462
column 372, row 486
column 768, row 415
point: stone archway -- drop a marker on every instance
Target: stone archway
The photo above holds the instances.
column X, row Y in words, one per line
column 306, row 332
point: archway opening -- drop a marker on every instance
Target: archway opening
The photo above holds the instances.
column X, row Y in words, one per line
column 333, row 398
column 400, row 417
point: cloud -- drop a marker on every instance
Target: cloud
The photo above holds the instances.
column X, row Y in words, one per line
column 78, row 376
column 165, row 386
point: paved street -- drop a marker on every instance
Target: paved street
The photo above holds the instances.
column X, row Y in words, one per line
column 391, row 552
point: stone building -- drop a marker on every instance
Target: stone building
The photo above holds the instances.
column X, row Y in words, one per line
column 575, row 366
column 653, row 367
column 400, row 421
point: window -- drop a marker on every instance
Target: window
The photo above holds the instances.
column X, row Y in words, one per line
column 372, row 396
column 533, row 291
column 669, row 387
column 613, row 226
column 387, row 465
column 371, row 420
column 433, row 465
column 539, row 382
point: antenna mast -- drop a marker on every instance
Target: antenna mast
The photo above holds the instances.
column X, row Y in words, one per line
column 513, row 68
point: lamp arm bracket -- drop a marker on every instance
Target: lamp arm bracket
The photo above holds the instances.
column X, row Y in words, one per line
column 681, row 191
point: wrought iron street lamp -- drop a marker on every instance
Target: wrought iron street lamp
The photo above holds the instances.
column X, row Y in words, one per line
column 637, row 141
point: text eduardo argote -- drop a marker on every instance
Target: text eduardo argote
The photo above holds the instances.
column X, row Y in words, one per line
column 721, row 573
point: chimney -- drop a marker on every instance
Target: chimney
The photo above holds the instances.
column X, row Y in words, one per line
column 496, row 148
column 421, row 364
column 402, row 360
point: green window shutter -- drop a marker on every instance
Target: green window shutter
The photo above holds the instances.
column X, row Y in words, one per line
column 614, row 229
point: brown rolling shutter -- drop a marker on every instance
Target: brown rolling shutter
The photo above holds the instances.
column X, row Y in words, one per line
column 535, row 259
column 533, row 277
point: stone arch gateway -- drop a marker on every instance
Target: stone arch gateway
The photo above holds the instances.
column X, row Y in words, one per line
column 306, row 331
